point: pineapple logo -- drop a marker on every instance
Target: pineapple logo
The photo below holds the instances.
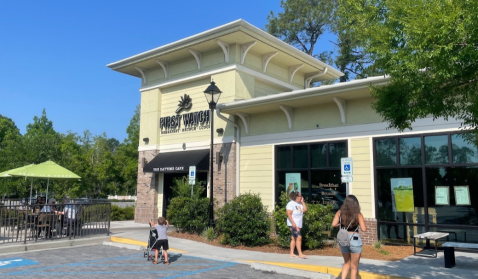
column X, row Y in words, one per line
column 185, row 103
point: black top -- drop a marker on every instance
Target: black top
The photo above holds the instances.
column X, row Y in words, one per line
column 351, row 228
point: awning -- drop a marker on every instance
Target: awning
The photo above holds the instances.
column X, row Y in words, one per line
column 171, row 162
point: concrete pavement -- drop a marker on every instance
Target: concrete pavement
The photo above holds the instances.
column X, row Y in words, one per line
column 410, row 267
column 128, row 234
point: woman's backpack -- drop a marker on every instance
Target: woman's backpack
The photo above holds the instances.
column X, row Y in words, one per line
column 343, row 236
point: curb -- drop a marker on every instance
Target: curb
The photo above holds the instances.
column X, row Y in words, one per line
column 123, row 245
column 52, row 244
column 332, row 271
column 291, row 271
column 143, row 244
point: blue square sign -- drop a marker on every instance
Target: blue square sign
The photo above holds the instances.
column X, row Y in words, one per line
column 346, row 166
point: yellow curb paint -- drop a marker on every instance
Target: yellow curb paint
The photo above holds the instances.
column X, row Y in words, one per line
column 140, row 243
column 335, row 271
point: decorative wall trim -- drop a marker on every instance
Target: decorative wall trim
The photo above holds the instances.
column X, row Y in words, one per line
column 165, row 66
column 142, row 71
column 342, row 104
column 189, row 145
column 225, row 49
column 258, row 75
column 351, row 131
column 245, row 119
column 293, row 70
column 309, row 79
column 266, row 58
column 244, row 49
column 198, row 56
column 289, row 113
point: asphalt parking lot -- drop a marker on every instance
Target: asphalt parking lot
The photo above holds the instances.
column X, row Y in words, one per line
column 112, row 262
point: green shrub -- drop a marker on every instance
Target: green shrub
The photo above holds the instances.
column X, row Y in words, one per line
column 377, row 245
column 117, row 213
column 129, row 212
column 209, row 234
column 317, row 220
column 121, row 214
column 244, row 221
column 182, row 188
column 188, row 214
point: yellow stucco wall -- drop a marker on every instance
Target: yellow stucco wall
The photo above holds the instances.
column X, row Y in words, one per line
column 362, row 184
column 150, row 113
column 256, row 174
column 263, row 89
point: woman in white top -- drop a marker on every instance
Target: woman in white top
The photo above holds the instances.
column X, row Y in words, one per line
column 295, row 211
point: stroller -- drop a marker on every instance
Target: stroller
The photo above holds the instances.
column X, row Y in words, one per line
column 150, row 250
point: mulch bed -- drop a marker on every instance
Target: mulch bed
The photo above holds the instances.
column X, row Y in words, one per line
column 387, row 253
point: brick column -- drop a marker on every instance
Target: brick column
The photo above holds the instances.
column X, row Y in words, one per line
column 225, row 173
column 147, row 194
column 370, row 236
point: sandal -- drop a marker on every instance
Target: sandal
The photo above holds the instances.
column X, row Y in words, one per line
column 166, row 263
column 155, row 262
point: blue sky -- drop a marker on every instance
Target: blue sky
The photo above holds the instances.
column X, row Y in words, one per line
column 53, row 54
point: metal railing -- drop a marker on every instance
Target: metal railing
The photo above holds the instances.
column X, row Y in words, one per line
column 24, row 223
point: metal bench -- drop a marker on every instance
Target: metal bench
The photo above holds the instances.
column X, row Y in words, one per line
column 449, row 251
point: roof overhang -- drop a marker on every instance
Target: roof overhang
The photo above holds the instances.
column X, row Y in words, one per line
column 306, row 97
column 238, row 31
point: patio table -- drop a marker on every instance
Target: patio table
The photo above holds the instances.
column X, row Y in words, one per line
column 428, row 236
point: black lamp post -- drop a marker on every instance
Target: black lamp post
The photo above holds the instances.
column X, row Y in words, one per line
column 212, row 94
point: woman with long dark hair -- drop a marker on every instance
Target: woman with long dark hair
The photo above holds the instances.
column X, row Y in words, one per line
column 350, row 218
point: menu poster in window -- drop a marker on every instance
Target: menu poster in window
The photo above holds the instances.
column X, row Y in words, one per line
column 442, row 195
column 292, row 182
column 402, row 194
column 462, row 195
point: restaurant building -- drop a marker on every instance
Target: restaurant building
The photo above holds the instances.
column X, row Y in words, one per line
column 274, row 131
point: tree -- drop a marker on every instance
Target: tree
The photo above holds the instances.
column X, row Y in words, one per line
column 429, row 49
column 128, row 154
column 304, row 21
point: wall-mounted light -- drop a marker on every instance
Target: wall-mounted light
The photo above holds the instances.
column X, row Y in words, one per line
column 318, row 126
column 146, row 140
column 219, row 158
column 220, row 131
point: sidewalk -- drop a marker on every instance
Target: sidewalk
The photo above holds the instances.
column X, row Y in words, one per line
column 411, row 267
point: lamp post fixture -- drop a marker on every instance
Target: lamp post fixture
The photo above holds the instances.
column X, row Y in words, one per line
column 212, row 94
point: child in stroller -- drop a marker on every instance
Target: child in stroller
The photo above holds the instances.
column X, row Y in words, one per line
column 158, row 240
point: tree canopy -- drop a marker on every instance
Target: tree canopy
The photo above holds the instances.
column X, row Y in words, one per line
column 105, row 165
column 430, row 50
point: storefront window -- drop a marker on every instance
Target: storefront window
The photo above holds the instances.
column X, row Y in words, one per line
column 327, row 188
column 463, row 152
column 319, row 155
column 445, row 205
column 300, row 156
column 440, row 194
column 436, row 149
column 320, row 182
column 283, row 157
column 395, row 204
column 410, row 151
column 337, row 151
column 386, row 152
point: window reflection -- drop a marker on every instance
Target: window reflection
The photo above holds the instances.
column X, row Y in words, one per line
column 436, row 149
column 337, row 151
column 283, row 157
column 462, row 151
column 410, row 151
column 386, row 152
column 319, row 155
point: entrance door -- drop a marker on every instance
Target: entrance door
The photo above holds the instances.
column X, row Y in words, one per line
column 169, row 179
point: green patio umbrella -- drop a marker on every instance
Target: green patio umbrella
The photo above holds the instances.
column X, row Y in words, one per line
column 7, row 174
column 48, row 170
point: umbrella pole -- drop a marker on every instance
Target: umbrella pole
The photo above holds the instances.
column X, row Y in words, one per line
column 31, row 186
column 47, row 182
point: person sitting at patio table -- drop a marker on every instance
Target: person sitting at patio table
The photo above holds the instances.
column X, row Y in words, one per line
column 69, row 212
column 49, row 209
